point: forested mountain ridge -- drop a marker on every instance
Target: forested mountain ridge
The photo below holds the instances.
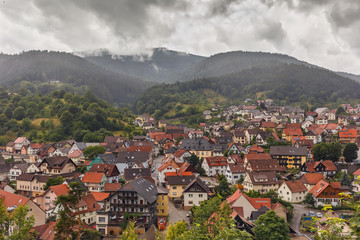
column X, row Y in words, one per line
column 162, row 65
column 285, row 83
column 58, row 116
column 46, row 71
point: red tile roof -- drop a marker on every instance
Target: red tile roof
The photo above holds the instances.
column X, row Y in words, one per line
column 257, row 156
column 256, row 149
column 312, row 178
column 100, row 196
column 318, row 188
column 92, row 177
column 75, row 154
column 171, row 163
column 347, row 133
column 216, row 161
column 11, row 199
column 255, row 202
column 268, row 125
column 61, row 189
column 357, row 172
column 329, row 165
column 293, row 132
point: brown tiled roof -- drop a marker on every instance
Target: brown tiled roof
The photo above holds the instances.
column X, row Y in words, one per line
column 11, row 199
column 111, row 187
column 296, row 186
column 100, row 196
column 237, row 167
column 312, row 178
column 179, row 180
column 262, row 178
column 109, row 169
column 216, row 161
column 257, row 156
column 319, row 187
column 265, row 165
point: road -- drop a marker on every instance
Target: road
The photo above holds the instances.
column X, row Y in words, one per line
column 176, row 214
column 156, row 164
column 299, row 211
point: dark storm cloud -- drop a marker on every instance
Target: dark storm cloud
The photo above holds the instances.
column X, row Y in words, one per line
column 323, row 32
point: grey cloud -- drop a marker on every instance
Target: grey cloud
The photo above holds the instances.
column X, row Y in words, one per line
column 221, row 7
column 345, row 14
column 272, row 31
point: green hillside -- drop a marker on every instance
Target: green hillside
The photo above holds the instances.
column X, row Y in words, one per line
column 285, row 83
column 59, row 116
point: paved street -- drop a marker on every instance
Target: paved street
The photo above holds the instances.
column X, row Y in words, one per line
column 156, row 164
column 299, row 211
column 176, row 214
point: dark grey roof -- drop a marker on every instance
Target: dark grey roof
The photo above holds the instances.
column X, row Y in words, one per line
column 179, row 180
column 81, row 145
column 199, row 182
column 196, row 144
column 132, row 173
column 143, row 187
column 288, row 150
column 127, row 157
column 108, row 158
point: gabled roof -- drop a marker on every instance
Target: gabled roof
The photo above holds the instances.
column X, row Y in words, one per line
column 109, row 169
column 169, row 163
column 296, row 186
column 257, row 156
column 35, row 145
column 197, row 181
column 74, row 154
column 293, row 132
column 92, row 177
column 268, row 125
column 319, row 188
column 58, row 162
column 256, row 149
column 61, row 189
column 257, row 203
column 12, row 199
column 20, row 140
column 357, row 172
column 45, row 231
column 312, row 178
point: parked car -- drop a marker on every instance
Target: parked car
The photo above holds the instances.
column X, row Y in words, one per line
column 319, row 215
column 312, row 214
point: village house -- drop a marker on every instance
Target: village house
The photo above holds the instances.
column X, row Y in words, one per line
column 110, row 170
column 292, row 191
column 311, row 179
column 260, row 181
column 327, row 168
column 57, row 165
column 195, row 193
column 95, row 181
column 47, row 200
column 234, row 172
column 326, row 193
column 31, row 184
column 199, row 147
column 347, row 135
column 11, row 201
column 17, row 169
column 176, row 185
column 136, row 197
column 214, row 166
column 245, row 205
column 163, row 202
column 19, row 143
column 289, row 156
column 239, row 136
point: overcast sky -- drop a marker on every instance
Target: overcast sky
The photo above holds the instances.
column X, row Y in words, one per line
column 322, row 32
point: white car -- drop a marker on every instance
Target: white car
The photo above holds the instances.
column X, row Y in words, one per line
column 319, row 215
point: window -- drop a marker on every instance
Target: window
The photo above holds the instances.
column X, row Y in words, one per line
column 190, row 195
column 174, row 193
column 200, row 195
column 174, row 187
column 162, row 204
column 191, row 202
